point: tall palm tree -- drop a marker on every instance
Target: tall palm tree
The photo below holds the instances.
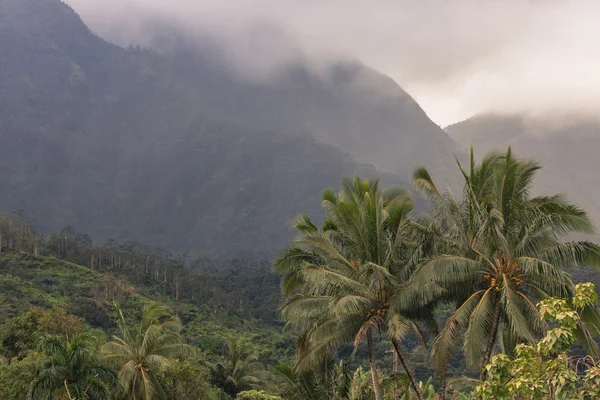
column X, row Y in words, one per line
column 143, row 352
column 239, row 371
column 497, row 252
column 340, row 280
column 72, row 365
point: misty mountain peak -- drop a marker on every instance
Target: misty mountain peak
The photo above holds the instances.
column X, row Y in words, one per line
column 51, row 18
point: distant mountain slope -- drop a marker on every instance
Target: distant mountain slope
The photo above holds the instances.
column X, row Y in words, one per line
column 345, row 103
column 132, row 144
column 351, row 106
column 566, row 146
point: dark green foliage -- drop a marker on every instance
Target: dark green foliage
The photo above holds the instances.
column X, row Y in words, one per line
column 72, row 367
column 239, row 370
column 19, row 335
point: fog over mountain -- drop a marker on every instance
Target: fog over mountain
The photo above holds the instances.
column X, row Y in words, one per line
column 457, row 58
column 172, row 148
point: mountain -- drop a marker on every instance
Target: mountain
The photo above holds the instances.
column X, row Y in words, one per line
column 345, row 103
column 171, row 149
column 565, row 145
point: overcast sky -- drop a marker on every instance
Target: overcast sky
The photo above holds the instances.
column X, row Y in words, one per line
column 456, row 57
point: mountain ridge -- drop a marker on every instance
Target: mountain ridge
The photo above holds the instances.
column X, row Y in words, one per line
column 169, row 150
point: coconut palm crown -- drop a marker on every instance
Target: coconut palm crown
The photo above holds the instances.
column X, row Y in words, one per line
column 340, row 280
column 496, row 253
column 72, row 366
column 142, row 353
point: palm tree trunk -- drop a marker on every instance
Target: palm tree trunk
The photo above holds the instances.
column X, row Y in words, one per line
column 395, row 374
column 408, row 369
column 133, row 396
column 491, row 341
column 443, row 381
column 376, row 387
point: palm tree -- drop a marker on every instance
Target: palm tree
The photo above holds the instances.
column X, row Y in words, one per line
column 340, row 280
column 496, row 253
column 143, row 353
column 72, row 366
column 238, row 372
column 330, row 380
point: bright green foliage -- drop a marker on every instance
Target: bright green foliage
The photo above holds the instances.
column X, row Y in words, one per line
column 546, row 371
column 72, row 365
column 187, row 379
column 393, row 388
column 17, row 374
column 408, row 393
column 143, row 352
column 256, row 395
column 496, row 253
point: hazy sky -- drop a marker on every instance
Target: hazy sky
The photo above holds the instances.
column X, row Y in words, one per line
column 456, row 57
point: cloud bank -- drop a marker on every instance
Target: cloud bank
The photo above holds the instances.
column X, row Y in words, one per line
column 456, row 57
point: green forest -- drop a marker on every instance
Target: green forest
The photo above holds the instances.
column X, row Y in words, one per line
column 487, row 295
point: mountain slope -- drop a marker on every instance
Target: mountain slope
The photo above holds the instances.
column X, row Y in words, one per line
column 132, row 144
column 47, row 282
column 566, row 146
column 343, row 102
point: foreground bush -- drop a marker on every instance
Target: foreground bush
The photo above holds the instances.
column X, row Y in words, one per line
column 546, row 370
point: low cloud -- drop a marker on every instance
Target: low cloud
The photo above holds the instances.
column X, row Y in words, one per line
column 456, row 57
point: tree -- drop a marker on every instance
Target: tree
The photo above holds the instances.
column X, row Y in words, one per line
column 142, row 353
column 72, row 366
column 18, row 335
column 238, row 372
column 58, row 322
column 17, row 374
column 496, row 253
column 327, row 381
column 187, row 379
column 340, row 280
column 546, row 371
